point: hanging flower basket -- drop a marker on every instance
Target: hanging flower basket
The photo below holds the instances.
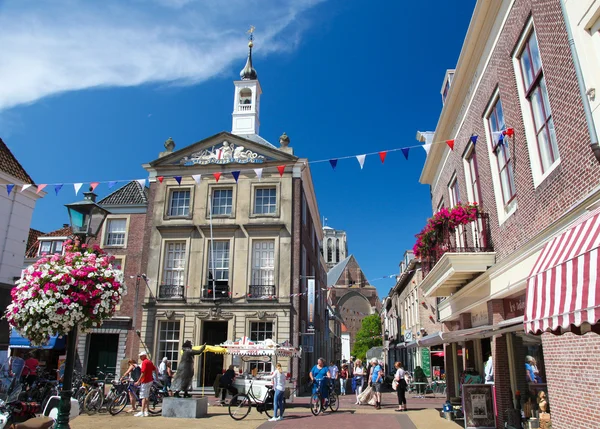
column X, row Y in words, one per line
column 432, row 235
column 80, row 288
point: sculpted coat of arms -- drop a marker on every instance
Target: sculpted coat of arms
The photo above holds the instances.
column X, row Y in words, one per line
column 224, row 154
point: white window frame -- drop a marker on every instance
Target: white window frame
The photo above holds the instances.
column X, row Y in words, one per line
column 107, row 235
column 263, row 262
column 470, row 156
column 266, row 367
column 528, row 121
column 219, row 262
column 186, row 211
column 213, row 206
column 454, row 198
column 54, row 246
column 174, row 275
column 172, row 345
column 272, row 207
column 504, row 211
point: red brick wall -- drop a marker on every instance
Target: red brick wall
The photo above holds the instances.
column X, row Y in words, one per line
column 573, row 371
column 578, row 172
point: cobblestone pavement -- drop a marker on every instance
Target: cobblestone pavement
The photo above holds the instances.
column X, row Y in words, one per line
column 422, row 414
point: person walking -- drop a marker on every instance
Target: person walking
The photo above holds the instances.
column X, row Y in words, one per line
column 165, row 374
column 30, row 370
column 375, row 379
column 343, row 379
column 145, row 382
column 335, row 373
column 400, row 386
column 279, row 386
column 359, row 378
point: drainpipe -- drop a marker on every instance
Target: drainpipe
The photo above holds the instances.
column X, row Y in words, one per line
column 582, row 90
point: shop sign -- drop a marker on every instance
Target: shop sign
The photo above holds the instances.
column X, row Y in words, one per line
column 479, row 317
column 478, row 406
column 514, row 307
column 311, row 304
column 426, row 361
column 408, row 336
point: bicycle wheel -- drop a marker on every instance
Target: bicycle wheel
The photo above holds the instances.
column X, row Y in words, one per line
column 155, row 402
column 334, row 403
column 119, row 403
column 109, row 399
column 93, row 401
column 268, row 407
column 315, row 404
column 80, row 397
column 239, row 406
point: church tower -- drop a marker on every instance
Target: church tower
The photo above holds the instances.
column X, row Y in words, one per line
column 246, row 99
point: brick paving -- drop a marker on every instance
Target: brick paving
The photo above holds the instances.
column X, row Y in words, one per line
column 422, row 414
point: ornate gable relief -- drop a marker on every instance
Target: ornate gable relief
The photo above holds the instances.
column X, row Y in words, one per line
column 261, row 315
column 226, row 153
column 214, row 313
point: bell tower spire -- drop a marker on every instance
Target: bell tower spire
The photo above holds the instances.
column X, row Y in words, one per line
column 246, row 99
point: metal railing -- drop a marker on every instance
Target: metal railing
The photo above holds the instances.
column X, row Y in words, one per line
column 173, row 292
column 261, row 292
column 218, row 291
column 472, row 237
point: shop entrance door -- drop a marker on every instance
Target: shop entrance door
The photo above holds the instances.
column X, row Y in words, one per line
column 213, row 333
column 102, row 355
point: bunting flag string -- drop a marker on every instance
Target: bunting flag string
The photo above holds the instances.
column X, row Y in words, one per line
column 236, row 175
column 498, row 137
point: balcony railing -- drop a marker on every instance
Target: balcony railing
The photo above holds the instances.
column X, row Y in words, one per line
column 469, row 238
column 244, row 107
column 171, row 292
column 261, row 292
column 217, row 291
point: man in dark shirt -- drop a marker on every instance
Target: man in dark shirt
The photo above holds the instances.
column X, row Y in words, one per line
column 226, row 384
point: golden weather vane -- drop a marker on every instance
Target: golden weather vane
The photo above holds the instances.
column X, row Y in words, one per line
column 251, row 32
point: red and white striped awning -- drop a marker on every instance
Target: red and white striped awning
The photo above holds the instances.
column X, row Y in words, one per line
column 563, row 288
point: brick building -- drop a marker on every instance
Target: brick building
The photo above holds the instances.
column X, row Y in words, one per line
column 123, row 235
column 410, row 318
column 351, row 295
column 234, row 249
column 515, row 116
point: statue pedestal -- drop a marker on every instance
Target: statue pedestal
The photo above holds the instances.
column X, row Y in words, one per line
column 185, row 408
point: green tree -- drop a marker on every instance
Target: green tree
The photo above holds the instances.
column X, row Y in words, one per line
column 369, row 335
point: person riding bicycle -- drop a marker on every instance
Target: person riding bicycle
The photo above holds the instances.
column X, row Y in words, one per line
column 320, row 372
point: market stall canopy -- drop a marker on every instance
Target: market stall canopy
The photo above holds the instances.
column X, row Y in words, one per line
column 17, row 341
column 564, row 287
column 268, row 347
column 210, row 349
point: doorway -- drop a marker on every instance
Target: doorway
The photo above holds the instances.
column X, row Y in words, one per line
column 213, row 333
column 102, row 354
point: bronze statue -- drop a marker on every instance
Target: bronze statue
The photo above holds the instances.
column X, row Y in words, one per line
column 185, row 369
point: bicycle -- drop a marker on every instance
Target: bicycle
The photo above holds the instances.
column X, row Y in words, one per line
column 240, row 404
column 121, row 401
column 318, row 404
column 95, row 398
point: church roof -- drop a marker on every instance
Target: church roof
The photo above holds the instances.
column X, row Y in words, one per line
column 334, row 273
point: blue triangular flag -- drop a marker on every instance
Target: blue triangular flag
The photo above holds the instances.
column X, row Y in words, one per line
column 236, row 175
column 333, row 163
column 112, row 183
column 500, row 139
column 9, row 188
column 405, row 152
column 57, row 188
column 473, row 139
column 178, row 178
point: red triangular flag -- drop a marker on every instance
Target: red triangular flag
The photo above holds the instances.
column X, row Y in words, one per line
column 509, row 132
column 450, row 143
column 217, row 176
column 160, row 179
column 382, row 156
column 281, row 169
column 93, row 185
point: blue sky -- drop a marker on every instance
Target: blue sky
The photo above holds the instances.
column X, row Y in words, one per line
column 91, row 90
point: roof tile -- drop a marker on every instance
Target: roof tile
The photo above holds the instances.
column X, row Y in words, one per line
column 10, row 165
column 130, row 194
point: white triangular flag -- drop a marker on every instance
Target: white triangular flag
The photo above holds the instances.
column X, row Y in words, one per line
column 77, row 187
column 197, row 178
column 361, row 160
column 142, row 182
column 25, row 187
column 258, row 172
column 427, row 146
column 496, row 135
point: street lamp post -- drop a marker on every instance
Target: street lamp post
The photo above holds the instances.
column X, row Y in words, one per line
column 86, row 218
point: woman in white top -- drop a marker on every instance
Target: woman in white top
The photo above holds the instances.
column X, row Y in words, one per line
column 359, row 377
column 279, row 385
column 401, row 386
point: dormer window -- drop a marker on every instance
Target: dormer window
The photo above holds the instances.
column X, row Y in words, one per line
column 447, row 84
column 50, row 247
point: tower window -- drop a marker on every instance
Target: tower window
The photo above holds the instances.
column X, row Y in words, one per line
column 246, row 96
column 329, row 250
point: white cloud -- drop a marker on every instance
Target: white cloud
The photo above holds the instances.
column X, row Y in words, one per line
column 66, row 45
